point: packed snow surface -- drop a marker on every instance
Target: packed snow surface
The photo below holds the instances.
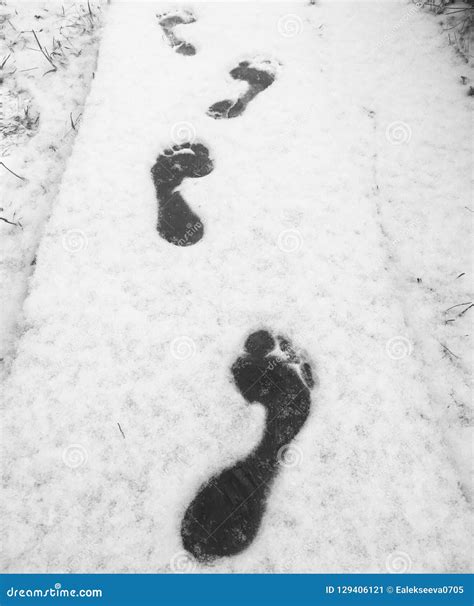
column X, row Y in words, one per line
column 338, row 214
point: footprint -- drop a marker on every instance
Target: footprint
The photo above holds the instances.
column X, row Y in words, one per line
column 177, row 223
column 224, row 517
column 259, row 74
column 168, row 22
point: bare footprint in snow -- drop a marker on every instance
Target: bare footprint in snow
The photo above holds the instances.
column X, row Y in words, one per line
column 259, row 75
column 224, row 517
column 177, row 223
column 168, row 21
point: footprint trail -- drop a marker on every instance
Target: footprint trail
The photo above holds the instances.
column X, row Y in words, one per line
column 224, row 517
column 177, row 223
column 259, row 75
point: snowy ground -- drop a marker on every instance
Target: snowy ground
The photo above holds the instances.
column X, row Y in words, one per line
column 338, row 212
column 41, row 108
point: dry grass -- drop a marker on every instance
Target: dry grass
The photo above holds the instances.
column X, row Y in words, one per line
column 51, row 36
column 458, row 22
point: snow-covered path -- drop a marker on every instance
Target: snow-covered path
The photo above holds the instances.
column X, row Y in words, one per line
column 330, row 196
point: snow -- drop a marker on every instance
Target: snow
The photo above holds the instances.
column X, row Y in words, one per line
column 342, row 183
column 39, row 109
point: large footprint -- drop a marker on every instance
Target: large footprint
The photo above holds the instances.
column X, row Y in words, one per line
column 169, row 21
column 177, row 223
column 259, row 75
column 224, row 517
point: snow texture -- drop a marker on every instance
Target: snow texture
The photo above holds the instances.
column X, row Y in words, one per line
column 335, row 214
column 41, row 111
